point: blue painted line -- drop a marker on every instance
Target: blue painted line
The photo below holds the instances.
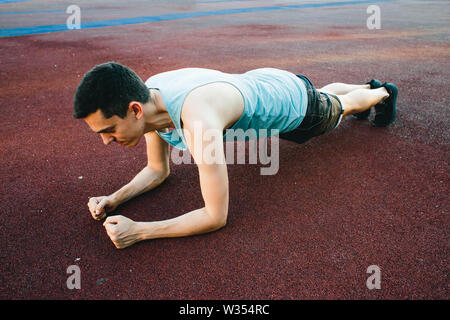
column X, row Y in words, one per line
column 12, row 1
column 31, row 12
column 170, row 17
column 217, row 1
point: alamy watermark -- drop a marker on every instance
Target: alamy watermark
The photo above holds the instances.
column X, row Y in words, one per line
column 74, row 280
column 374, row 281
column 74, row 20
column 374, row 20
column 208, row 147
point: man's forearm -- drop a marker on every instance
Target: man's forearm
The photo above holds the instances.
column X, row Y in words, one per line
column 194, row 222
column 147, row 179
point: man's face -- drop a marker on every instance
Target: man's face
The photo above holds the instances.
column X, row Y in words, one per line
column 126, row 132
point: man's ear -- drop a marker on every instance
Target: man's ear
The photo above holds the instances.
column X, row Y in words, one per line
column 136, row 108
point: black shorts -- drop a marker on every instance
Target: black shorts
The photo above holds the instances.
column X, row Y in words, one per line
column 323, row 115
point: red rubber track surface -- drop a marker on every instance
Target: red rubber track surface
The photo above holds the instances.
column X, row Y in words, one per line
column 355, row 197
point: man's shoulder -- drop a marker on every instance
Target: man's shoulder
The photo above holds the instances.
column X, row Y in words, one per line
column 215, row 104
column 172, row 74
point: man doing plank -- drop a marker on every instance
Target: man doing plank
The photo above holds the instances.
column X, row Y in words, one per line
column 119, row 106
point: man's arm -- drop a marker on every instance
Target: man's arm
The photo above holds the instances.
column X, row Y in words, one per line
column 213, row 182
column 156, row 171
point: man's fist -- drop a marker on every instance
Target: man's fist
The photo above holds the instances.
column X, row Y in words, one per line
column 122, row 231
column 99, row 206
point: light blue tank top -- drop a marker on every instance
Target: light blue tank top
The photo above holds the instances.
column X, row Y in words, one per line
column 273, row 99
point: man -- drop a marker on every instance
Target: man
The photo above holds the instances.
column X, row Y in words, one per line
column 115, row 103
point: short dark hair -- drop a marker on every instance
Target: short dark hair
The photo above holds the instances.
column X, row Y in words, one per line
column 109, row 87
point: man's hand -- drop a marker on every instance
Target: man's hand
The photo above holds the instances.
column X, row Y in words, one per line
column 122, row 231
column 99, row 206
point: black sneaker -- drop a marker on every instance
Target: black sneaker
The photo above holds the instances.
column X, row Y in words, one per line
column 374, row 84
column 385, row 111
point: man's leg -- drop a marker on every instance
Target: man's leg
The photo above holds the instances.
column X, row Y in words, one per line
column 339, row 88
column 360, row 100
column 356, row 98
column 352, row 98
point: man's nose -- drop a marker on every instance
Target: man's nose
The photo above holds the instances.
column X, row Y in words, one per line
column 107, row 139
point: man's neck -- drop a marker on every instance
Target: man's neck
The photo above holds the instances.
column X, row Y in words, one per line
column 158, row 117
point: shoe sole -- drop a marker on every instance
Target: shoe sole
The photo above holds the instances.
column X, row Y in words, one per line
column 391, row 100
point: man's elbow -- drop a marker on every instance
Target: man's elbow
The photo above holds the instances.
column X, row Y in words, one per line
column 219, row 221
column 161, row 173
column 222, row 222
column 165, row 174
